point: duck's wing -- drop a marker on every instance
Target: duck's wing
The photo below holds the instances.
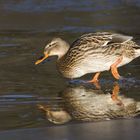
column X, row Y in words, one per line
column 119, row 38
column 97, row 45
column 99, row 39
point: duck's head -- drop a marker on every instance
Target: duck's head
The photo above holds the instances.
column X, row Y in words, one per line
column 57, row 47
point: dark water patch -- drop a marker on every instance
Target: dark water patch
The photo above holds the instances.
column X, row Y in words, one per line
column 26, row 27
column 46, row 6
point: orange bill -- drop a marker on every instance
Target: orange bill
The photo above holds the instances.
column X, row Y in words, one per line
column 42, row 59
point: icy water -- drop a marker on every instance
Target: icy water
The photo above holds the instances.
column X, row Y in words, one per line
column 25, row 28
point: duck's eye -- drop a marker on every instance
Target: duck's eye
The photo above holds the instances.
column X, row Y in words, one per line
column 50, row 45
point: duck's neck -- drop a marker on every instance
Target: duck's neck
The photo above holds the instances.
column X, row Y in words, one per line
column 64, row 47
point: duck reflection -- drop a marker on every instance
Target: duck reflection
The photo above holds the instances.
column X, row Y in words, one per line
column 86, row 104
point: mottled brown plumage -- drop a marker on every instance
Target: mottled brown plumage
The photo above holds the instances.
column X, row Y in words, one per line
column 93, row 52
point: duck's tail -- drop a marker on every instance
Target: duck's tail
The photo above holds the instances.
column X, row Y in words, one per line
column 137, row 51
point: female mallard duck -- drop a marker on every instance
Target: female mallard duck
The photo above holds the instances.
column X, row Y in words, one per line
column 92, row 53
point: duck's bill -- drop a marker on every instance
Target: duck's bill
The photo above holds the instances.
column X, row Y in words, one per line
column 41, row 59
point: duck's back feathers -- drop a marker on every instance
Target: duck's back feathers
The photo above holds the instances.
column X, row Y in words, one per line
column 99, row 44
column 101, row 39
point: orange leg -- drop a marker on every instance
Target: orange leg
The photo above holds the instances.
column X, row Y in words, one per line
column 115, row 93
column 95, row 80
column 114, row 69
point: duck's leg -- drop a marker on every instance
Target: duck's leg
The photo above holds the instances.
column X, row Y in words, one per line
column 114, row 69
column 95, row 80
column 115, row 93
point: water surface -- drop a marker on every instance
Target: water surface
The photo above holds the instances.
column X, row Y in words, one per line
column 25, row 28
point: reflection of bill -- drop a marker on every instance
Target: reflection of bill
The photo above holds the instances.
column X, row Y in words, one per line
column 86, row 104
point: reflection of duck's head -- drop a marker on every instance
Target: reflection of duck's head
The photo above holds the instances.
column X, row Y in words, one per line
column 55, row 116
column 87, row 104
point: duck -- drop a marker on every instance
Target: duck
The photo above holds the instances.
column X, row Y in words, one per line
column 92, row 53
